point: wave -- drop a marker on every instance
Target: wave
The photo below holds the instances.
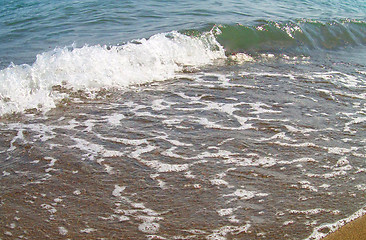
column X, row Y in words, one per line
column 92, row 68
column 294, row 36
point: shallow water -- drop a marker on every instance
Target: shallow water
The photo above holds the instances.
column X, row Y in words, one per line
column 237, row 121
column 264, row 150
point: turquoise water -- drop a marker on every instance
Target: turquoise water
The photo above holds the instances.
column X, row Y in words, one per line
column 181, row 119
column 28, row 28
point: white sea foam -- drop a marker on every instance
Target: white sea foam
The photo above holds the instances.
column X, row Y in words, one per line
column 149, row 227
column 49, row 208
column 63, row 231
column 225, row 212
column 219, row 182
column 221, row 233
column 319, row 232
column 242, row 194
column 118, row 190
column 165, row 167
column 88, row 230
column 92, row 68
column 77, row 192
column 115, row 119
column 314, row 211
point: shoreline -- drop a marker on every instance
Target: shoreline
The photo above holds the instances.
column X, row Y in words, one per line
column 353, row 230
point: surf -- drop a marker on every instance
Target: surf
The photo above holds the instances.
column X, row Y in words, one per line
column 92, row 68
column 163, row 56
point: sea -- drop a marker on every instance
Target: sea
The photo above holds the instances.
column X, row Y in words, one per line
column 181, row 119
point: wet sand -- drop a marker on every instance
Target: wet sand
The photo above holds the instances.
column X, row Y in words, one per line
column 355, row 230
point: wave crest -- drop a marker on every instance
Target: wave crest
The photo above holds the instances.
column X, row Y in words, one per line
column 91, row 68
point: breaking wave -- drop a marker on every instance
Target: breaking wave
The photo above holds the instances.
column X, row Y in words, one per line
column 92, row 68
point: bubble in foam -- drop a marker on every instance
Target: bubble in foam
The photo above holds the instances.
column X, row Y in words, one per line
column 244, row 194
column 118, row 190
column 63, row 231
column 149, row 227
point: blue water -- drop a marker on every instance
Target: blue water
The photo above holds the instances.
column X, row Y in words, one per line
column 30, row 27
